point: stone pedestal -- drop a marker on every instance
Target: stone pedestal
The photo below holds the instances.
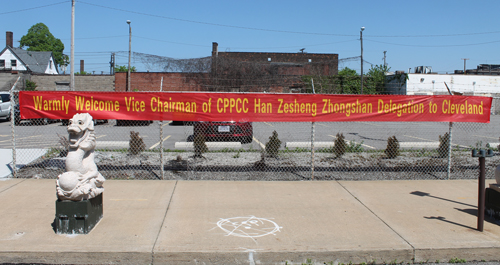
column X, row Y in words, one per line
column 493, row 201
column 78, row 217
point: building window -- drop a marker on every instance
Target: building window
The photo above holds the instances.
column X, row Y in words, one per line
column 50, row 64
column 269, row 59
column 2, row 63
column 13, row 63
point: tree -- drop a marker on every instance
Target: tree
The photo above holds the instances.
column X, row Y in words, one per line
column 375, row 82
column 348, row 81
column 40, row 39
column 124, row 68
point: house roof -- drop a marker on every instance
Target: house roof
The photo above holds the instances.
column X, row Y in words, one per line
column 36, row 62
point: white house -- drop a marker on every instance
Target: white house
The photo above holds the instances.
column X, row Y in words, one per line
column 17, row 59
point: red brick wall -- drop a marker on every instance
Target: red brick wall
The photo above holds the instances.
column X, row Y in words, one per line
column 148, row 81
column 311, row 63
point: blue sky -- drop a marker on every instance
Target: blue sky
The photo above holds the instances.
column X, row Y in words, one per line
column 435, row 33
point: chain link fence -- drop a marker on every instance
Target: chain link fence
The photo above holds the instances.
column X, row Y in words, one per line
column 260, row 150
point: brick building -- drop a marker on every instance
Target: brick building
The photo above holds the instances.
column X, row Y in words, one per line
column 284, row 63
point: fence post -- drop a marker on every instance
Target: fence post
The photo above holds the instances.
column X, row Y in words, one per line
column 449, row 151
column 312, row 138
column 162, row 164
column 13, row 127
column 312, row 151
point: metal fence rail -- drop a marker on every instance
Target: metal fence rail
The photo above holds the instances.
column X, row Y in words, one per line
column 276, row 151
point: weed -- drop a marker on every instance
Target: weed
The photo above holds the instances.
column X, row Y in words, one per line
column 457, row 260
column 52, row 152
column 479, row 144
column 354, row 147
column 308, row 261
column 340, row 146
column 237, row 155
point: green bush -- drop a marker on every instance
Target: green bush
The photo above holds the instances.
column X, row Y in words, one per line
column 200, row 146
column 136, row 143
column 392, row 149
column 444, row 142
column 30, row 86
column 273, row 145
column 340, row 145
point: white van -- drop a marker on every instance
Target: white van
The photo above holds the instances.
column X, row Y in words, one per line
column 5, row 105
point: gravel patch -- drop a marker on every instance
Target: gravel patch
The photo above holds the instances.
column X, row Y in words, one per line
column 287, row 166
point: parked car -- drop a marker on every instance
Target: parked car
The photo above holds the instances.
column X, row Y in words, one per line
column 5, row 105
column 66, row 122
column 42, row 121
column 132, row 123
column 228, row 131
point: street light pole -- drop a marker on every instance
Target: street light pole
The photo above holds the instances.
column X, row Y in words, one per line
column 72, row 53
column 361, row 39
column 129, row 53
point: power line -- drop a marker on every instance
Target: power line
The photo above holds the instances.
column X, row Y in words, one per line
column 108, row 37
column 436, row 46
column 217, row 24
column 198, row 45
column 287, row 31
column 31, row 8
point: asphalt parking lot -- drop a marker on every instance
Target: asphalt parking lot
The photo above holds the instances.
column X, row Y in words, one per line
column 370, row 135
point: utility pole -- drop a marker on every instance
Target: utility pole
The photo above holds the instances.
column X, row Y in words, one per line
column 465, row 59
column 129, row 52
column 385, row 64
column 361, row 38
column 112, row 64
column 72, row 59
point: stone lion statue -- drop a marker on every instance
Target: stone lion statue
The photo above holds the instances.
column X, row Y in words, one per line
column 82, row 181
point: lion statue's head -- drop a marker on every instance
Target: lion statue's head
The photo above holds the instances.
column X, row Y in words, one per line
column 80, row 127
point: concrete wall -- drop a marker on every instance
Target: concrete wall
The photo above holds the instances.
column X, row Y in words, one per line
column 82, row 82
column 8, row 79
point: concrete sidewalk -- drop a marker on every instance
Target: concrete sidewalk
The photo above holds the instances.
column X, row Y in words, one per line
column 209, row 222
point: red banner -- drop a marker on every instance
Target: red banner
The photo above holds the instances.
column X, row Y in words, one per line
column 258, row 107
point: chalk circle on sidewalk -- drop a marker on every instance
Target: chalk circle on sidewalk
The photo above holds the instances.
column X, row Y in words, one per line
column 249, row 226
